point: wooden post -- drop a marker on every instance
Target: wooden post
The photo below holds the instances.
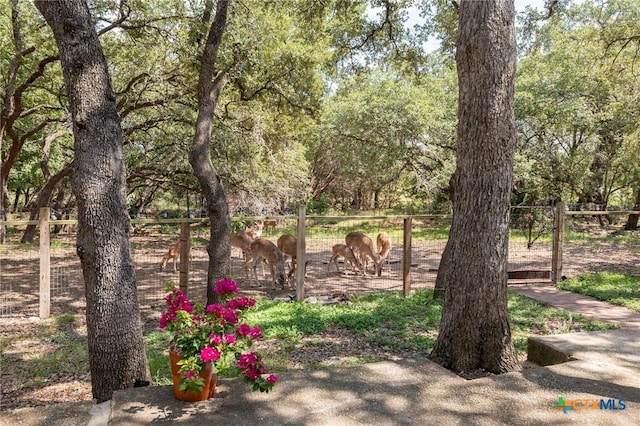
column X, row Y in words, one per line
column 558, row 236
column 406, row 258
column 45, row 263
column 300, row 252
column 185, row 250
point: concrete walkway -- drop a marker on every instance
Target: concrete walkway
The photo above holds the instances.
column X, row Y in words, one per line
column 581, row 304
column 599, row 385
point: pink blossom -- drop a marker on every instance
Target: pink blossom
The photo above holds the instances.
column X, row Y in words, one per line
column 242, row 302
column 209, row 354
column 243, row 330
column 163, row 321
column 225, row 286
column 256, row 333
column 229, row 315
column 189, row 374
column 272, row 379
column 230, row 338
column 216, row 339
column 215, row 309
column 176, row 300
column 247, row 359
column 252, row 374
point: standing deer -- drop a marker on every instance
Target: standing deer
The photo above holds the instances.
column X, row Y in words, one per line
column 241, row 240
column 173, row 253
column 383, row 241
column 270, row 225
column 341, row 250
column 263, row 249
column 288, row 244
column 364, row 248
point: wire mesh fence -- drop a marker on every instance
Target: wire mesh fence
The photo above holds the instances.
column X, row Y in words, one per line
column 19, row 280
column 595, row 243
column 588, row 247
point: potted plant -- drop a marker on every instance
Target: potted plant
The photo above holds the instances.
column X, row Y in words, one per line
column 213, row 339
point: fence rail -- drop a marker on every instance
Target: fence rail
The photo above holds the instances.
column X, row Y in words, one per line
column 56, row 279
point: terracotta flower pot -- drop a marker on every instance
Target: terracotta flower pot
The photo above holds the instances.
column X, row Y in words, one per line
column 207, row 374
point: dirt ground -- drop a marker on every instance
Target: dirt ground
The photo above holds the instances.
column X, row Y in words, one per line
column 19, row 297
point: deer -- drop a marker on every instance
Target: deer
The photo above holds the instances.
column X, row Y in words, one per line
column 241, row 240
column 364, row 248
column 341, row 250
column 256, row 230
column 270, row 225
column 383, row 241
column 173, row 253
column 288, row 244
column 263, row 249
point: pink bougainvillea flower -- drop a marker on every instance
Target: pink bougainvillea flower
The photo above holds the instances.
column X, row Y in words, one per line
column 214, row 334
column 241, row 303
column 189, row 374
column 216, row 339
column 243, row 330
column 209, row 354
column 225, row 286
column 252, row 374
column 247, row 359
column 229, row 316
column 215, row 308
column 256, row 333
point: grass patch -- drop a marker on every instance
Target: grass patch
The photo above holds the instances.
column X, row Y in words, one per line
column 53, row 348
column 389, row 318
column 302, row 333
column 619, row 289
column 156, row 345
column 296, row 335
column 603, row 235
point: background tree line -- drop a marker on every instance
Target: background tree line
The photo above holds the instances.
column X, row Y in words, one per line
column 333, row 100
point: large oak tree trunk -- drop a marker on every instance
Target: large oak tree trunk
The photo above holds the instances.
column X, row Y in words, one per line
column 210, row 84
column 116, row 349
column 475, row 331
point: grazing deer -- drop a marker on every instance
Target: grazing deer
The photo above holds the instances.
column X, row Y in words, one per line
column 364, row 248
column 341, row 250
column 263, row 249
column 288, row 244
column 241, row 240
column 270, row 225
column 384, row 246
column 173, row 253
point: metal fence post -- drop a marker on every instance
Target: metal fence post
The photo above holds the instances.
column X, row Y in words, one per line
column 301, row 262
column 185, row 251
column 558, row 236
column 45, row 263
column 406, row 257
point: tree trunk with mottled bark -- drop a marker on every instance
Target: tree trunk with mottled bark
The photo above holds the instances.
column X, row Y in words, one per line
column 117, row 359
column 210, row 84
column 475, row 332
